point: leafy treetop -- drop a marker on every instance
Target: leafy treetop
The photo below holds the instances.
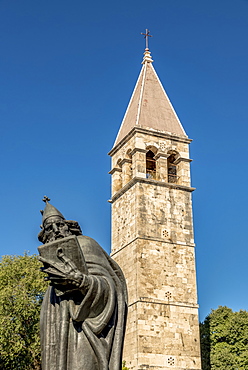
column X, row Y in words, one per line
column 224, row 340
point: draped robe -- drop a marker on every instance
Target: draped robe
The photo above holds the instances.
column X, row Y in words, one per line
column 84, row 330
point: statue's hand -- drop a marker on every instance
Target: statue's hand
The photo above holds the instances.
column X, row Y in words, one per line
column 62, row 273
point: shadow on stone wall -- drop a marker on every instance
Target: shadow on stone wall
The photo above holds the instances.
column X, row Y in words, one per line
column 205, row 344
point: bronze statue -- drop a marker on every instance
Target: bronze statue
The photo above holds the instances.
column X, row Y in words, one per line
column 84, row 309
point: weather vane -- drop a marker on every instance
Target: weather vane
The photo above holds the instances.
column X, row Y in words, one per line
column 146, row 35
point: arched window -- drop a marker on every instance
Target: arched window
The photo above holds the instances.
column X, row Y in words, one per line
column 172, row 168
column 150, row 165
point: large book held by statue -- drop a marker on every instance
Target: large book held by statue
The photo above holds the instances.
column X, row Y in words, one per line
column 62, row 254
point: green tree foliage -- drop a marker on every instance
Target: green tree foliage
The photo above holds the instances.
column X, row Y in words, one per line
column 224, row 340
column 22, row 288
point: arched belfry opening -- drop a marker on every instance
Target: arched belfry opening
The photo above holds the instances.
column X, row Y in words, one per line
column 172, row 168
column 150, row 165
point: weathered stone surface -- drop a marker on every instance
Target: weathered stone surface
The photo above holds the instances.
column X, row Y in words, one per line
column 153, row 242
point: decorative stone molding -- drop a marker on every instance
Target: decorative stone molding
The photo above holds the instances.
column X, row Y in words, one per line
column 180, row 159
column 125, row 160
column 140, row 150
column 115, row 169
column 141, row 179
column 161, row 155
column 155, row 133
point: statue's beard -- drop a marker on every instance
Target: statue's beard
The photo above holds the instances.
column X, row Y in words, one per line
column 58, row 236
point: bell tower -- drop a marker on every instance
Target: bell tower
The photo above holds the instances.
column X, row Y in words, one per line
column 152, row 230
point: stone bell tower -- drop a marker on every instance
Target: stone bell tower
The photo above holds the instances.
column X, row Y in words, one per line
column 152, row 230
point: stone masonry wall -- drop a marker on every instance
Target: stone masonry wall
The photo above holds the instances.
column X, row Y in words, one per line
column 152, row 210
column 153, row 242
column 162, row 318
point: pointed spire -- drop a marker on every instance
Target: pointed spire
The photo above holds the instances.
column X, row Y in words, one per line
column 149, row 106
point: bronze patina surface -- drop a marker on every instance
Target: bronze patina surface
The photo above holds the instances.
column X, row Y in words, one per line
column 84, row 310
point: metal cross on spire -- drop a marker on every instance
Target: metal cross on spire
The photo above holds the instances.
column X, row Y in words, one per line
column 146, row 35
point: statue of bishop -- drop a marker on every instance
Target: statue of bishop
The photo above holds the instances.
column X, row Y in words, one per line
column 84, row 310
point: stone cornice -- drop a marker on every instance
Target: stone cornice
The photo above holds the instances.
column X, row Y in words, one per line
column 139, row 129
column 162, row 240
column 136, row 180
column 125, row 160
column 181, row 159
column 140, row 150
column 165, row 303
column 161, row 155
column 115, row 169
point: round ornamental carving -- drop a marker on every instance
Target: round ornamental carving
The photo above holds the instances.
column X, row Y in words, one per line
column 168, row 295
column 165, row 233
column 171, row 361
column 162, row 146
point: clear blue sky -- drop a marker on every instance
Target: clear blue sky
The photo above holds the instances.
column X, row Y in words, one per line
column 67, row 70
